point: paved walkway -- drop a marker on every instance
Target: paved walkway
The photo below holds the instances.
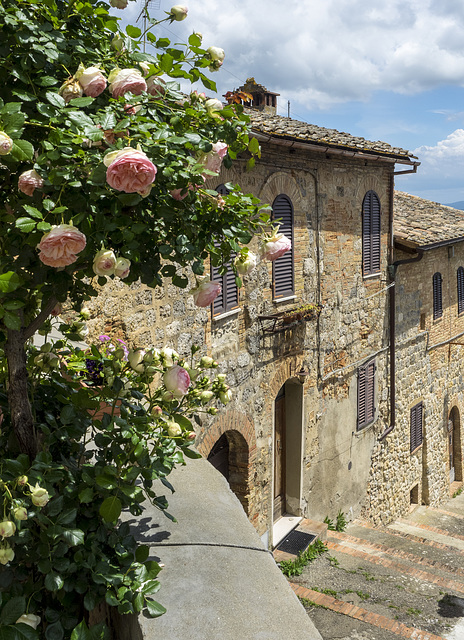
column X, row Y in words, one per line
column 405, row 580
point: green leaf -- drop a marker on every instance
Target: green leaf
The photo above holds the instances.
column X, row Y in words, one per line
column 154, row 609
column 194, row 40
column 81, row 632
column 253, row 146
column 22, row 150
column 24, row 632
column 13, row 610
column 86, row 495
column 107, row 483
column 53, row 581
column 250, row 164
column 110, row 509
column 13, row 124
column 32, row 211
column 133, row 32
column 10, row 633
column 55, row 99
column 81, row 102
column 12, row 320
column 142, row 552
column 54, row 631
column 73, row 537
column 25, row 224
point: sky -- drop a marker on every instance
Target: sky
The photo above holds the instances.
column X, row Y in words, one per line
column 390, row 70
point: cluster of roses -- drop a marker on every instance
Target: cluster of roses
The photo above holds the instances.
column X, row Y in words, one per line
column 18, row 512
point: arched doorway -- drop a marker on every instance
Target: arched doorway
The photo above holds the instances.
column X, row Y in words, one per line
column 454, row 446
column 230, row 456
column 288, row 450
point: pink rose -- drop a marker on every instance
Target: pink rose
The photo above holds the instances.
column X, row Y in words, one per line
column 127, row 81
column 122, row 268
column 156, row 86
column 275, row 246
column 205, row 292
column 28, row 181
column 92, row 81
column 6, row 144
column 213, row 160
column 129, row 170
column 59, row 247
column 180, row 194
column 104, row 263
column 177, row 381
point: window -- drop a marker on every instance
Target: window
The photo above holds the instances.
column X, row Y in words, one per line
column 366, row 394
column 416, row 426
column 283, row 276
column 227, row 300
column 437, row 296
column 371, row 234
column 460, row 290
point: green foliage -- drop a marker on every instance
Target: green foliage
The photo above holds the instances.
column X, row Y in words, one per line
column 106, row 439
column 340, row 523
column 295, row 567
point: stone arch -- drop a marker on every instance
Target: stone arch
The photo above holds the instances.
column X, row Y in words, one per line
column 281, row 182
column 241, row 441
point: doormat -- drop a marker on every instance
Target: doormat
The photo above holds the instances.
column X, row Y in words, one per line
column 296, row 542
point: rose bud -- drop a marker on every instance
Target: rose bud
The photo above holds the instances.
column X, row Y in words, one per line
column 28, row 181
column 274, row 246
column 157, row 411
column 6, row 555
column 6, row 144
column 212, row 106
column 225, row 396
column 58, row 247
column 191, row 435
column 29, row 619
column 212, row 411
column 205, row 292
column 206, row 362
column 71, row 89
column 126, row 81
column 206, row 396
column 122, row 268
column 92, row 81
column 178, row 12
column 7, row 528
column 104, row 263
column 20, row 513
column 39, row 496
column 174, row 430
column 198, row 35
column 168, row 356
column 221, row 377
column 136, row 360
column 216, row 54
column 177, row 381
column 246, row 262
column 129, row 170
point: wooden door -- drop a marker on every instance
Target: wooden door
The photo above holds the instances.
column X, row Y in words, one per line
column 279, row 456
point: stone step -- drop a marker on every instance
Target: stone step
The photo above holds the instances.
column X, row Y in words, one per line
column 312, row 527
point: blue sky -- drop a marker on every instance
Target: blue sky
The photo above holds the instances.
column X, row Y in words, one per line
column 385, row 70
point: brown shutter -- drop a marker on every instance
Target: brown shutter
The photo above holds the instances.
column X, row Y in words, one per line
column 371, row 236
column 437, row 296
column 416, row 426
column 283, row 276
column 366, row 394
column 460, row 290
column 227, row 300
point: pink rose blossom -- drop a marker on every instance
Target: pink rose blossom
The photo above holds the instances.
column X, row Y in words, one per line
column 104, row 263
column 205, row 293
column 180, row 194
column 6, row 144
column 127, row 81
column 59, row 247
column 275, row 246
column 213, row 160
column 92, row 81
column 28, row 181
column 122, row 268
column 177, row 381
column 129, row 170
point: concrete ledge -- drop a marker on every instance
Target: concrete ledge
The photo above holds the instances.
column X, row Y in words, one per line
column 218, row 581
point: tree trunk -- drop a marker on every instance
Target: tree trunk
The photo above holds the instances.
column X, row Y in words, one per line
column 18, row 396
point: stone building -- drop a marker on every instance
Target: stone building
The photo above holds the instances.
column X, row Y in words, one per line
column 421, row 461
column 302, row 435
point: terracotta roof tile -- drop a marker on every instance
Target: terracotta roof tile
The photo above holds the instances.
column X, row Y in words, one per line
column 279, row 126
column 422, row 223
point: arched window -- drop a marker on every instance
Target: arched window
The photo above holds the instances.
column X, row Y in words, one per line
column 460, row 278
column 437, row 296
column 227, row 300
column 283, row 272
column 371, row 234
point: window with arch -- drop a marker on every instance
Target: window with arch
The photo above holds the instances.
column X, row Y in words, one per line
column 437, row 296
column 460, row 283
column 283, row 269
column 371, row 234
column 228, row 298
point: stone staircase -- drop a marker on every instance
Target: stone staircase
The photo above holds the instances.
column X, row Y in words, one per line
column 404, row 580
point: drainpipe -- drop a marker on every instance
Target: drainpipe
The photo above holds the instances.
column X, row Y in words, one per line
column 392, row 269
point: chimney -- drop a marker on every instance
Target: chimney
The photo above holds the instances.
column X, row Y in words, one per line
column 261, row 98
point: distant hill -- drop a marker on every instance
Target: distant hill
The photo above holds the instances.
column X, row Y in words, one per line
column 456, row 205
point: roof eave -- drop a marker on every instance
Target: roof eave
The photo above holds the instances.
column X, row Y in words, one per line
column 410, row 245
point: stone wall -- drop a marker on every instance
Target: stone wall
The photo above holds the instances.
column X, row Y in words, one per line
column 331, row 469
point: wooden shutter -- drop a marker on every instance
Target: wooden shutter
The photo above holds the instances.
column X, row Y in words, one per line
column 416, row 426
column 283, row 276
column 366, row 394
column 460, row 278
column 371, row 236
column 437, row 296
column 227, row 300
column 222, row 190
